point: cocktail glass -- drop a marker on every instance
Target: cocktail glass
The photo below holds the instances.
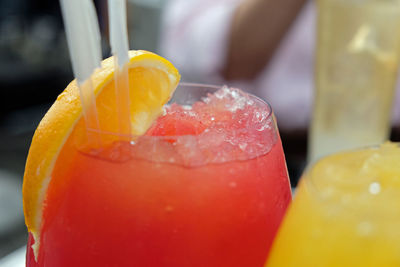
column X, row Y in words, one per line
column 357, row 59
column 207, row 185
column 346, row 212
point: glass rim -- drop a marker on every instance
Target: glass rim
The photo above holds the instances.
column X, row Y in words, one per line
column 133, row 137
column 309, row 181
column 261, row 115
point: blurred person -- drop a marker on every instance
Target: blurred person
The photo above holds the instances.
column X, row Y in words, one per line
column 263, row 46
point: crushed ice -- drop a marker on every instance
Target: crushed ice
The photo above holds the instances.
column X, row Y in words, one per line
column 238, row 127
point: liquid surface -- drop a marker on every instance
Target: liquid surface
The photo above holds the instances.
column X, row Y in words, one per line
column 346, row 213
column 206, row 186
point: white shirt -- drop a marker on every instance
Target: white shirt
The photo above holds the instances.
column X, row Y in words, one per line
column 195, row 36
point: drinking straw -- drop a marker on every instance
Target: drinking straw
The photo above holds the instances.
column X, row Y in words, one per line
column 120, row 47
column 83, row 36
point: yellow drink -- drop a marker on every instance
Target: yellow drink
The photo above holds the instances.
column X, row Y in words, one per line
column 346, row 212
column 358, row 52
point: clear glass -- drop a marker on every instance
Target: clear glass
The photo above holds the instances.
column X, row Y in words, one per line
column 358, row 51
column 346, row 212
column 214, row 198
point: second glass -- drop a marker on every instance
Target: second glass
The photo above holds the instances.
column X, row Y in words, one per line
column 358, row 52
column 346, row 212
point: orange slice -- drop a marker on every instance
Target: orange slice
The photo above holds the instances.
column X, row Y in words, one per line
column 152, row 81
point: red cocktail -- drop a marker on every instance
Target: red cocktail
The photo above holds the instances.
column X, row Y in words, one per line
column 207, row 185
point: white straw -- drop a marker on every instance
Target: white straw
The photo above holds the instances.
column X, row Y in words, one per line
column 83, row 36
column 120, row 47
column 118, row 30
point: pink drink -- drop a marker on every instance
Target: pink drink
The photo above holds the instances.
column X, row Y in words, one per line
column 206, row 186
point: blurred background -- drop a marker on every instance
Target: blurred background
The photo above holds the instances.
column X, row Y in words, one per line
column 35, row 68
